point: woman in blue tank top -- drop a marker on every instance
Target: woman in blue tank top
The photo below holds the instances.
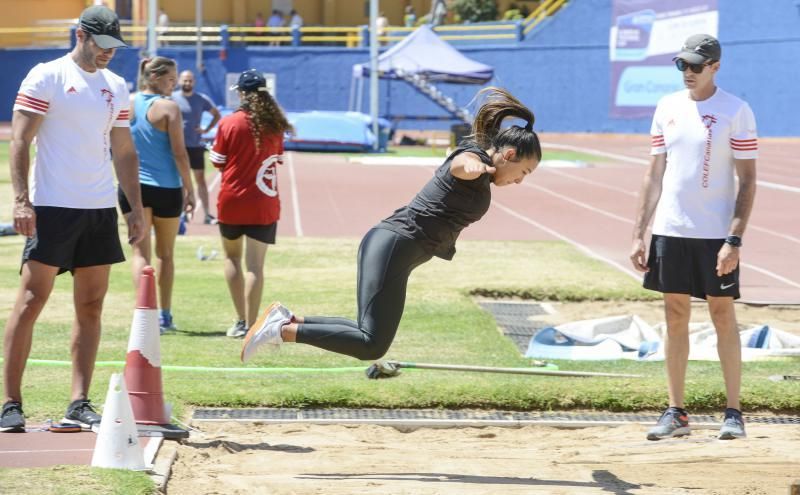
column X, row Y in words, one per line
column 157, row 130
column 458, row 195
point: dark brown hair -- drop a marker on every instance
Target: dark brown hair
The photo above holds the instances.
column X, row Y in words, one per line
column 498, row 104
column 264, row 114
column 156, row 66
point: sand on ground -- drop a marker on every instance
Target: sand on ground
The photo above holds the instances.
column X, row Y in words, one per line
column 246, row 458
column 235, row 458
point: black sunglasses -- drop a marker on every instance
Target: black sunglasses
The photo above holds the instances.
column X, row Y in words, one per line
column 682, row 65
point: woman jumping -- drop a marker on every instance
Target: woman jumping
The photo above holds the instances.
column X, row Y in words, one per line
column 457, row 196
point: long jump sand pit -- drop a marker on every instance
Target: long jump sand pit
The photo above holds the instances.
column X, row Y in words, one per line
column 235, row 458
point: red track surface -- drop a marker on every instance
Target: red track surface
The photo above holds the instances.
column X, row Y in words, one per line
column 593, row 208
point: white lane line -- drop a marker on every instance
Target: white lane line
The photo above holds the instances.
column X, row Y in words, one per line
column 566, row 239
column 599, row 211
column 771, row 274
column 629, row 193
column 641, row 161
column 789, row 238
column 591, row 182
column 215, row 182
column 579, row 203
column 298, row 226
column 592, row 151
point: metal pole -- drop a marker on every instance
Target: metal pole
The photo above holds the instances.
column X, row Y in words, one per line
column 516, row 371
column 152, row 13
column 198, row 20
column 373, row 70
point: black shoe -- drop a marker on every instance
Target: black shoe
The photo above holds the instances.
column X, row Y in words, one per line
column 12, row 419
column 81, row 412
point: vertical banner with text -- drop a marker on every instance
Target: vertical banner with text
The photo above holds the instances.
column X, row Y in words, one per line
column 644, row 36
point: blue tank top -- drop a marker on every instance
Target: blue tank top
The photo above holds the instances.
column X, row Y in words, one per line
column 156, row 164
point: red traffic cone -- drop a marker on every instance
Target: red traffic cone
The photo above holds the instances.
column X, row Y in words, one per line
column 143, row 362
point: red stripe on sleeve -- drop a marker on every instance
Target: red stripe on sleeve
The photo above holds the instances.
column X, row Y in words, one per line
column 33, row 106
column 35, row 100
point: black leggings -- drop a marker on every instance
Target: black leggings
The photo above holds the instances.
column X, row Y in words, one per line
column 385, row 261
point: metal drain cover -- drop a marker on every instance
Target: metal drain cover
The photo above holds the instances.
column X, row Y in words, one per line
column 454, row 418
column 514, row 318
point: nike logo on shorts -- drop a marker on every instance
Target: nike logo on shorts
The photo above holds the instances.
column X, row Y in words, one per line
column 728, row 286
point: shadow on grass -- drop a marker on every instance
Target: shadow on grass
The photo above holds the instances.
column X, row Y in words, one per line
column 234, row 447
column 192, row 333
column 603, row 480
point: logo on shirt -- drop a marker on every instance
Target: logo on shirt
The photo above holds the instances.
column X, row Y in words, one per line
column 708, row 121
column 72, row 90
column 108, row 95
column 267, row 176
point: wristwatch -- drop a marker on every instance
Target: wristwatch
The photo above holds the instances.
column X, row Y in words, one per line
column 734, row 240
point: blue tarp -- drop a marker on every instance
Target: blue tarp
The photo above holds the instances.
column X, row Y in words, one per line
column 424, row 53
column 326, row 131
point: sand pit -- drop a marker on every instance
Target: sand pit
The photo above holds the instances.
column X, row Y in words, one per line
column 236, row 458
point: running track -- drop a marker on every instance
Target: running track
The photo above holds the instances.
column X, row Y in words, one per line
column 591, row 208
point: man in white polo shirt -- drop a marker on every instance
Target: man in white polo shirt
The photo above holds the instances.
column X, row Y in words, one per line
column 702, row 139
column 77, row 111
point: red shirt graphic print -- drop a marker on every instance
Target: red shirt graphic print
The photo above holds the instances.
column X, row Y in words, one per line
column 249, row 186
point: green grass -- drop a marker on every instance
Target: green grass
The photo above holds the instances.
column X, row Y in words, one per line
column 441, row 324
column 74, row 480
column 439, row 152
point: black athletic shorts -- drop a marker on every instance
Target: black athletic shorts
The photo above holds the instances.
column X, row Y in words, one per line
column 166, row 202
column 197, row 158
column 72, row 238
column 263, row 233
column 688, row 266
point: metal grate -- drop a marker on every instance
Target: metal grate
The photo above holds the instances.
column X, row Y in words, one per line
column 443, row 417
column 515, row 320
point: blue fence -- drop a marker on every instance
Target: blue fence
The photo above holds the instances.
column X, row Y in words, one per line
column 561, row 72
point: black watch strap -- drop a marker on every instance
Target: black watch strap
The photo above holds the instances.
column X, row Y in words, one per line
column 734, row 240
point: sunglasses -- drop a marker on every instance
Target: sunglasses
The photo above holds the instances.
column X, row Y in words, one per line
column 682, row 65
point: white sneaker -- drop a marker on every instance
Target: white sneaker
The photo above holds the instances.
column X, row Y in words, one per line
column 266, row 330
column 237, row 330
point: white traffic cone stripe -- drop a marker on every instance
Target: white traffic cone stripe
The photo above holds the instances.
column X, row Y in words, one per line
column 145, row 336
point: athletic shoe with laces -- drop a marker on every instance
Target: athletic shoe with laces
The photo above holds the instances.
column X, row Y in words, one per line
column 237, row 330
column 12, row 419
column 80, row 412
column 266, row 330
column 732, row 426
column 210, row 220
column 672, row 423
column 166, row 325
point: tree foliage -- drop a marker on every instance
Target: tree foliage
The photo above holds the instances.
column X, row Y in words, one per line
column 475, row 10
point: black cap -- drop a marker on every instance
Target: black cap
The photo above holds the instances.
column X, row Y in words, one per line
column 251, row 80
column 103, row 24
column 700, row 48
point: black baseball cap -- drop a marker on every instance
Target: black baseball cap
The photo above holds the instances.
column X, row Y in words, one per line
column 103, row 24
column 251, row 80
column 700, row 48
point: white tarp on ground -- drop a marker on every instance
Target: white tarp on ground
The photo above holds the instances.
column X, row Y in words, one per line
column 630, row 337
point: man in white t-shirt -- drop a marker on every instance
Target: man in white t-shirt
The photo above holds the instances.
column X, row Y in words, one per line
column 702, row 138
column 77, row 111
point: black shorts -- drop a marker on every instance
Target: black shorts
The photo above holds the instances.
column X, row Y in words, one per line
column 71, row 238
column 688, row 266
column 197, row 157
column 263, row 233
column 166, row 202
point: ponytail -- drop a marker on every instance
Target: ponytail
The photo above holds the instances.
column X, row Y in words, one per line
column 156, row 66
column 498, row 105
column 264, row 114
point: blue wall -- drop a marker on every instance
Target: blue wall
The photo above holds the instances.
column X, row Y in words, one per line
column 561, row 71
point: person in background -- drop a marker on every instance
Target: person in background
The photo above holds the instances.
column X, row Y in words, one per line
column 295, row 20
column 260, row 22
column 703, row 138
column 166, row 184
column 77, row 110
column 247, row 150
column 275, row 21
column 193, row 104
column 410, row 17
